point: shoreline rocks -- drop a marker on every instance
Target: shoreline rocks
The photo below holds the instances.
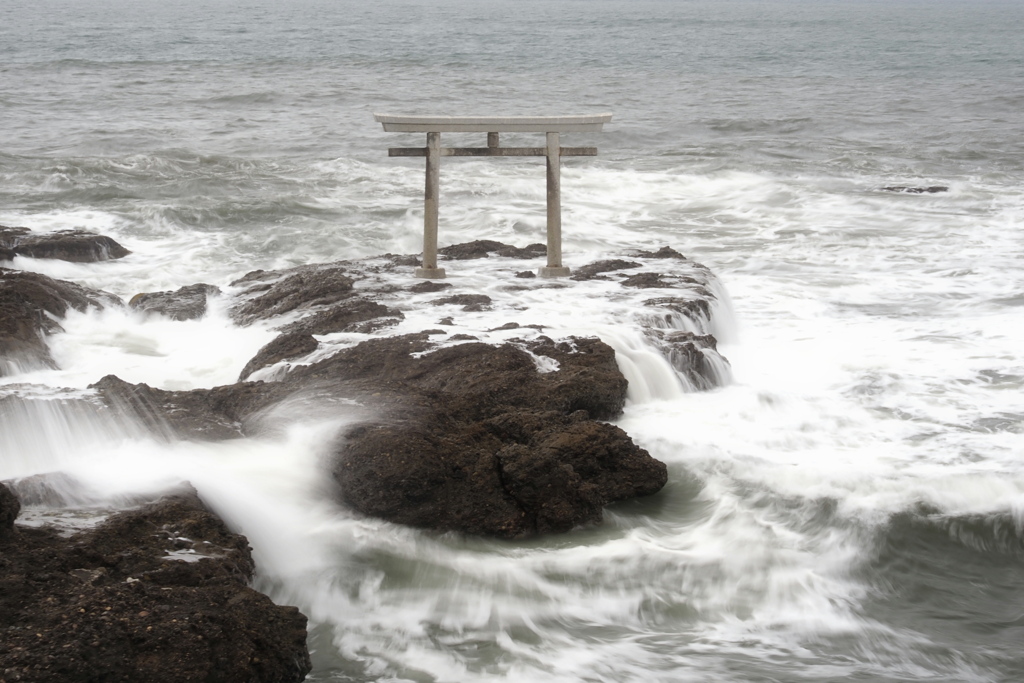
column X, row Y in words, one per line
column 506, row 437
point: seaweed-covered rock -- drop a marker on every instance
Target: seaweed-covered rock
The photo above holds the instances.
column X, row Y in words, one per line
column 155, row 595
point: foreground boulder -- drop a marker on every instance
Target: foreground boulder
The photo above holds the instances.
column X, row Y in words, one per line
column 78, row 246
column 30, row 303
column 155, row 595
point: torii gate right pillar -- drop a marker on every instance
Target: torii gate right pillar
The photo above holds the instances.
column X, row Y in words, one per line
column 554, row 164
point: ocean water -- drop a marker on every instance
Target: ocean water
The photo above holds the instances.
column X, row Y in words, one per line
column 848, row 506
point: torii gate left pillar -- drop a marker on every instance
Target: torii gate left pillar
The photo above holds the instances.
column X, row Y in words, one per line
column 433, row 126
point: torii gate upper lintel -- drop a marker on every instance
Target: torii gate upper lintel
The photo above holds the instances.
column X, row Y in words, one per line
column 433, row 126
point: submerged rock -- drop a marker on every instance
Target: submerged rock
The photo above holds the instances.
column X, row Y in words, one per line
column 931, row 189
column 30, row 305
column 79, row 246
column 187, row 303
column 158, row 594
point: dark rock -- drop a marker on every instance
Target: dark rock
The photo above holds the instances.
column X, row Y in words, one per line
column 646, row 281
column 78, row 246
column 9, row 509
column 120, row 602
column 29, row 304
column 453, row 415
column 592, row 270
column 290, row 345
column 446, row 321
column 303, row 288
column 482, row 248
column 429, row 286
column 469, row 302
column 526, row 274
column 349, row 315
column 664, row 252
column 506, row 326
column 187, row 303
column 932, row 189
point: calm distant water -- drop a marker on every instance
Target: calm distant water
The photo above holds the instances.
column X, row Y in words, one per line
column 850, row 507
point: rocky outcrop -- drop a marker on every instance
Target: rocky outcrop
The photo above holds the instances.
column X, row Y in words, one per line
column 505, row 439
column 30, row 303
column 79, row 246
column 187, row 303
column 154, row 595
column 477, row 440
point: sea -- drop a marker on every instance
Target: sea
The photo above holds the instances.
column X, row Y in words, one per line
column 848, row 504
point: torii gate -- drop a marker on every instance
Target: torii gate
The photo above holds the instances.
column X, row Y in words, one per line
column 433, row 126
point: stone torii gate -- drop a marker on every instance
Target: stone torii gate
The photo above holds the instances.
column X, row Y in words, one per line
column 433, row 126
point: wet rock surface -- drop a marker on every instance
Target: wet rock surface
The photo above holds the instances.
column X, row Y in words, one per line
column 186, row 303
column 154, row 595
column 30, row 305
column 78, row 246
